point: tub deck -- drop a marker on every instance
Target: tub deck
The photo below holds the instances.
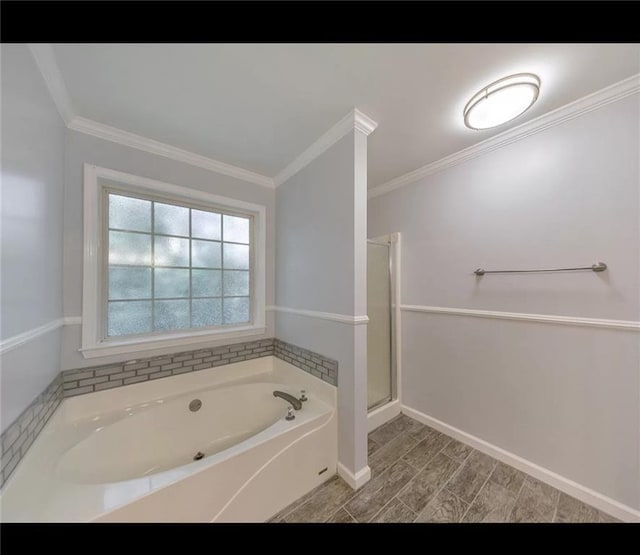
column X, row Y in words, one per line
column 59, row 482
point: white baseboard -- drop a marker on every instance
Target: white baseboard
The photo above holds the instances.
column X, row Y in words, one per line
column 379, row 416
column 583, row 493
column 357, row 480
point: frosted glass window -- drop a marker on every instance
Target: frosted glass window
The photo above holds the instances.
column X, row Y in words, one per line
column 175, row 267
column 236, row 229
column 205, row 225
column 171, row 283
column 236, row 283
column 171, row 220
column 127, row 318
column 206, row 312
column 205, row 254
column 236, row 310
column 171, row 251
column 236, row 257
column 129, row 248
column 129, row 213
column 206, row 283
column 129, row 283
column 171, row 315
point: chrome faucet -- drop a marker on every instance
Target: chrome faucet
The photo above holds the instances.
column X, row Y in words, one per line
column 297, row 404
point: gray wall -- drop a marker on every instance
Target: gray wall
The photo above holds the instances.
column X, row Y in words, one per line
column 81, row 149
column 563, row 397
column 32, row 215
column 321, row 266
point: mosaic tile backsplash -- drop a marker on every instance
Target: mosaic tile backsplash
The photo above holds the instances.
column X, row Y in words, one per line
column 98, row 378
column 18, row 437
column 320, row 366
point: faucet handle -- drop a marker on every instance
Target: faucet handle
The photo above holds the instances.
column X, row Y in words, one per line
column 303, row 395
column 290, row 415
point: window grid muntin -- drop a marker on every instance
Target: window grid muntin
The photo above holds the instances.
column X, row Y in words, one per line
column 219, row 210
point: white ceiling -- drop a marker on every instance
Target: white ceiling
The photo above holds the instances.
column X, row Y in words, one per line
column 258, row 106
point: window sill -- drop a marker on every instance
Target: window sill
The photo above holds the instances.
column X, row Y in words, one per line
column 119, row 347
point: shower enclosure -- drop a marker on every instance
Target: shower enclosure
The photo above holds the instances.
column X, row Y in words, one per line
column 380, row 348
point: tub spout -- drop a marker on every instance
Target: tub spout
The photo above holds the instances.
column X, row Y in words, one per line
column 297, row 404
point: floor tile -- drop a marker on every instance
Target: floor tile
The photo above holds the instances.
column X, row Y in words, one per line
column 395, row 511
column 372, row 447
column 419, row 491
column 605, row 518
column 390, row 452
column 384, row 433
column 420, row 473
column 481, row 463
column 413, row 427
column 341, row 517
column 508, row 477
column 322, row 504
column 536, row 502
column 571, row 509
column 469, row 479
column 444, row 507
column 544, row 492
column 393, row 428
column 492, row 504
column 380, row 489
column 422, row 433
column 524, row 512
column 428, row 448
column 457, row 450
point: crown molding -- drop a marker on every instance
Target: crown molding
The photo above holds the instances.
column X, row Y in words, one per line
column 353, row 120
column 363, row 123
column 575, row 109
column 46, row 62
column 115, row 135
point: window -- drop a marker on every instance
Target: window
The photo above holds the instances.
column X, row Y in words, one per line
column 167, row 265
column 174, row 267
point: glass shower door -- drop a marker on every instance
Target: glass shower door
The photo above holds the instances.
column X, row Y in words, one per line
column 379, row 328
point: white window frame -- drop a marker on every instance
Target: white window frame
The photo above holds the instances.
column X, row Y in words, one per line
column 95, row 271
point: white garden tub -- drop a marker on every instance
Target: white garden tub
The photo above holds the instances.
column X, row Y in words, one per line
column 127, row 454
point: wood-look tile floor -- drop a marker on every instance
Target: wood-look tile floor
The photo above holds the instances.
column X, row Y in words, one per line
column 422, row 475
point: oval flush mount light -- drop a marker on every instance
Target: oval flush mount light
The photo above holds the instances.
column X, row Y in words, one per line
column 502, row 101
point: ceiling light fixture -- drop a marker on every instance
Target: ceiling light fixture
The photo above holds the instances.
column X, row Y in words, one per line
column 502, row 101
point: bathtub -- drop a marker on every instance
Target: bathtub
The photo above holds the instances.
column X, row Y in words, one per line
column 141, row 454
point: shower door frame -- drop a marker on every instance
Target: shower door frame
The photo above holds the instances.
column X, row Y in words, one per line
column 392, row 241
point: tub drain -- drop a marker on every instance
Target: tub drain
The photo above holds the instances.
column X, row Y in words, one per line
column 199, row 455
